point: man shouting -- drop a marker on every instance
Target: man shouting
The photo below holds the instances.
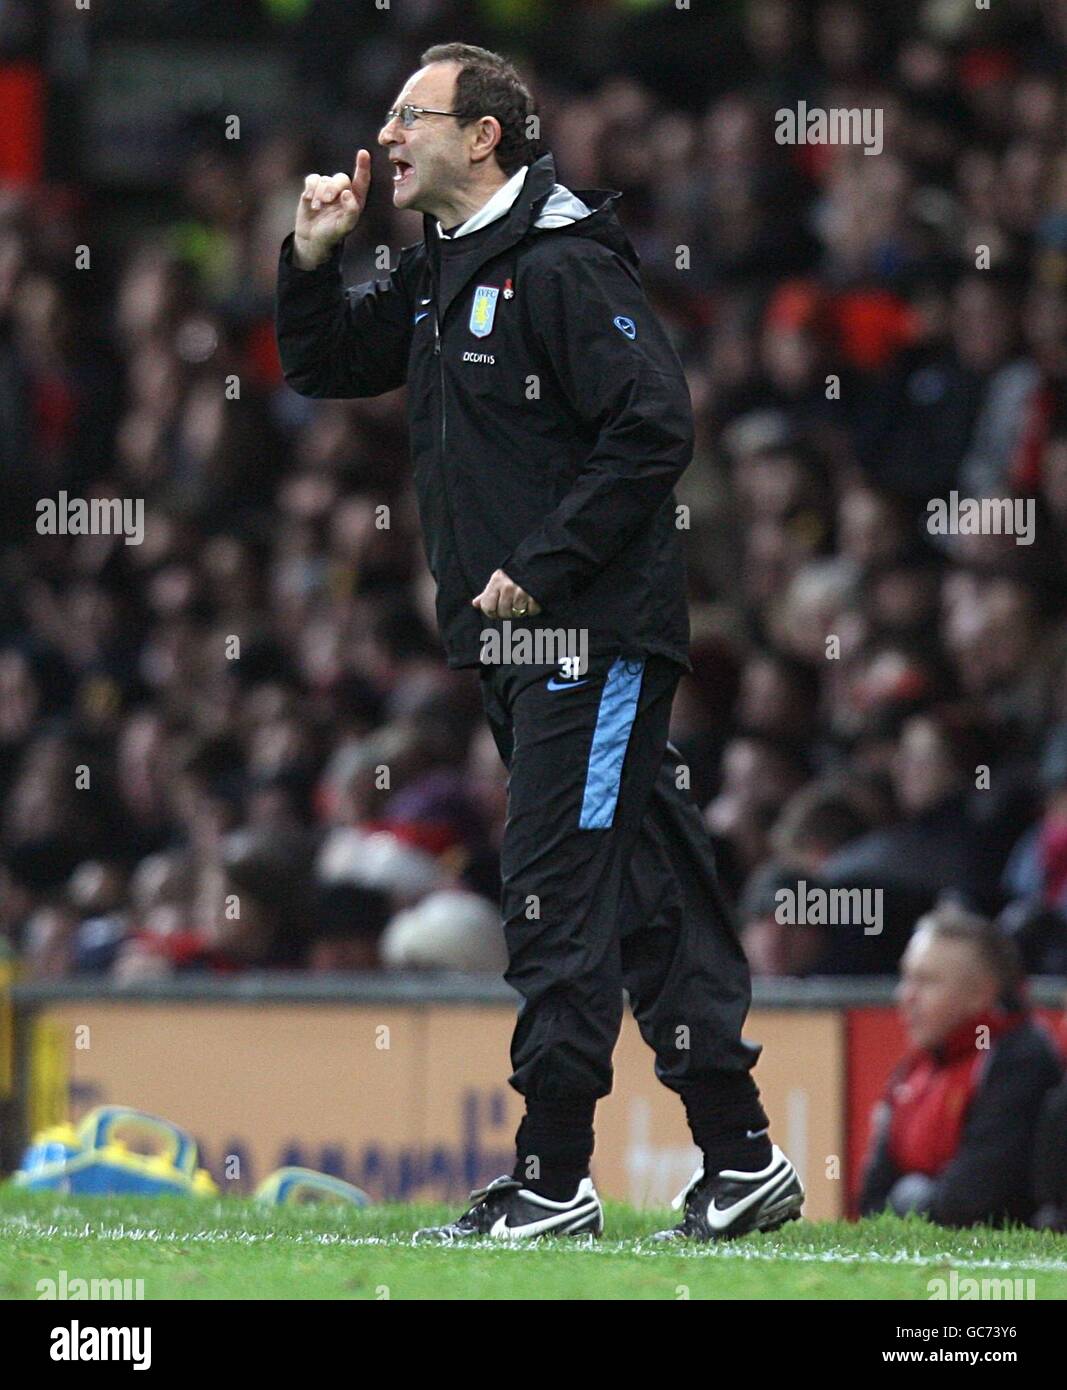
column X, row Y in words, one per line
column 549, row 420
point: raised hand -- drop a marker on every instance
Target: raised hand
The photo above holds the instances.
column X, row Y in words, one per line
column 329, row 208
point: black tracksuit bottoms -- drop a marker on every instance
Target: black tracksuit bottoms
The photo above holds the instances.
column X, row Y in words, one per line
column 609, row 882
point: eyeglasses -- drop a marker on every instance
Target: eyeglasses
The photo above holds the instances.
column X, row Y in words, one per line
column 409, row 114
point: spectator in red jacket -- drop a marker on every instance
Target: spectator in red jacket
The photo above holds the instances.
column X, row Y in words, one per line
column 955, row 1134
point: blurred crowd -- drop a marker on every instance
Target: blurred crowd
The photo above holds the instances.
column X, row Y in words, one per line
column 236, row 745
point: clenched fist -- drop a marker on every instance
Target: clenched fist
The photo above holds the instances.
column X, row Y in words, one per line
column 503, row 598
column 328, row 209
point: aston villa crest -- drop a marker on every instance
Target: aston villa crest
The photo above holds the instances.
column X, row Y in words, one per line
column 483, row 310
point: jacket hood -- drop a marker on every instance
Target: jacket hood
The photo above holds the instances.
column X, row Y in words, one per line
column 561, row 208
column 543, row 208
column 587, row 212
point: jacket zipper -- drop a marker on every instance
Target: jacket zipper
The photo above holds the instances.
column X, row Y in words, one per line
column 444, row 438
column 441, row 378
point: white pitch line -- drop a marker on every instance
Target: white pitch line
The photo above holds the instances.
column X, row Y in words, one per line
column 23, row 1227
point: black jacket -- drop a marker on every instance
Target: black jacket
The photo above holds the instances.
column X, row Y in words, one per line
column 547, row 446
column 1050, row 1160
column 990, row 1178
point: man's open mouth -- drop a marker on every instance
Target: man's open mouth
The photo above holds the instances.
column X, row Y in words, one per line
column 401, row 170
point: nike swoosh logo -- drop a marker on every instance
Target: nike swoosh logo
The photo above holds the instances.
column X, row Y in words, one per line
column 718, row 1219
column 427, row 301
column 502, row 1231
column 565, row 685
column 419, row 317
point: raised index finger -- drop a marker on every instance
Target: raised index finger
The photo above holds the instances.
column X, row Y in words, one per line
column 361, row 174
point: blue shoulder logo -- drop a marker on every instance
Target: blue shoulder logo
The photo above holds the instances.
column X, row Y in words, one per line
column 626, row 326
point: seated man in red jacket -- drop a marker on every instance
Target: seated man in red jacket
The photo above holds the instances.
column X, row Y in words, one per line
column 954, row 1136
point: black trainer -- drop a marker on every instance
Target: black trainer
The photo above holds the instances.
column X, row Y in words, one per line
column 731, row 1203
column 505, row 1210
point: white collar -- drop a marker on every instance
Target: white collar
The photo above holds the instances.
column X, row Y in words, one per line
column 496, row 207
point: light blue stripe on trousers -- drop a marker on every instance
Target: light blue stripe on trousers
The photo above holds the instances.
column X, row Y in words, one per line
column 615, row 717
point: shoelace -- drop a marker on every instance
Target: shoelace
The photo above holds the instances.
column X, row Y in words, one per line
column 683, row 1197
column 499, row 1187
column 689, row 1224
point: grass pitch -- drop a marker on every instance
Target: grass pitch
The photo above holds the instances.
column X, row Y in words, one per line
column 237, row 1249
